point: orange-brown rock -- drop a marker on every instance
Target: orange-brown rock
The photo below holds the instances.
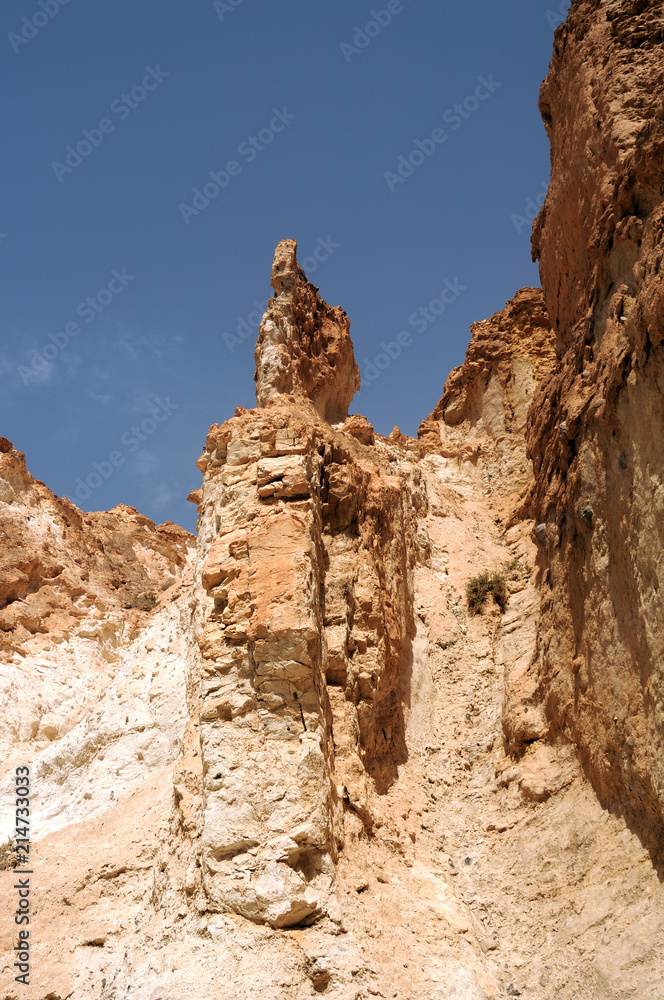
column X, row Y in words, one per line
column 311, row 769
column 73, row 588
column 481, row 417
column 593, row 429
column 56, row 563
column 307, row 540
column 304, row 348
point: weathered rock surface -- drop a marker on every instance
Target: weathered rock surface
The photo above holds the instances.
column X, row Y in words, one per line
column 307, row 540
column 304, row 347
column 70, row 594
column 594, row 433
column 309, row 770
column 481, row 417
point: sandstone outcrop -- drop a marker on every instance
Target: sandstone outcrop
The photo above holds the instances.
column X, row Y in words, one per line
column 71, row 585
column 308, row 770
column 307, row 540
column 481, row 416
column 593, row 430
column 304, row 347
column 283, row 759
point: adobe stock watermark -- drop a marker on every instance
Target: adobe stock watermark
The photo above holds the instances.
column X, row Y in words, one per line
column 223, row 7
column 121, row 107
column 248, row 328
column 31, row 26
column 557, row 16
column 530, row 211
column 249, row 149
column 87, row 310
column 454, row 117
column 130, row 441
column 363, row 37
column 559, row 184
column 420, row 320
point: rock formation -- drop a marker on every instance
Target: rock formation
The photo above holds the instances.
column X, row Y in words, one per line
column 304, row 348
column 284, row 759
column 593, row 433
column 73, row 587
column 484, row 406
column 307, row 539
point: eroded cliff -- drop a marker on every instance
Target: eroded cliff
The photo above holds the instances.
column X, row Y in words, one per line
column 594, row 430
column 284, row 759
column 307, row 542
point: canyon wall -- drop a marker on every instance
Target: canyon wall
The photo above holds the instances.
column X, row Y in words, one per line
column 594, row 430
column 485, row 402
column 289, row 761
column 285, row 758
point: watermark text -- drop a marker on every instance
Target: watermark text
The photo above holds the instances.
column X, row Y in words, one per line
column 248, row 149
column 31, row 26
column 419, row 320
column 454, row 117
column 364, row 36
column 87, row 310
column 130, row 442
column 22, row 875
column 121, row 108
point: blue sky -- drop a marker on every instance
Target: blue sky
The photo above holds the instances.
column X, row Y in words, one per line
column 130, row 301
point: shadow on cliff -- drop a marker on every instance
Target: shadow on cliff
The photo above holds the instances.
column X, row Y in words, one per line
column 578, row 705
column 389, row 749
column 649, row 834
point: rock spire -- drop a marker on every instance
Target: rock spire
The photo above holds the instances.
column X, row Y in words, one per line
column 304, row 347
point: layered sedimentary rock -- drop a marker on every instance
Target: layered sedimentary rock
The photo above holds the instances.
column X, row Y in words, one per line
column 289, row 761
column 306, row 544
column 73, row 588
column 304, row 348
column 309, row 769
column 594, row 431
column 480, row 421
column 481, row 416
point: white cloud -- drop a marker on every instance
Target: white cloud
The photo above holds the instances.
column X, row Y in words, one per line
column 100, row 397
column 136, row 344
column 162, row 496
column 146, row 463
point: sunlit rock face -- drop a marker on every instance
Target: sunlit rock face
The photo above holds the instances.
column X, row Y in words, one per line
column 304, row 348
column 307, row 542
column 595, row 426
column 284, row 759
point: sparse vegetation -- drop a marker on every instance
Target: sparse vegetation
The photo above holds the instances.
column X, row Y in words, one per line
column 484, row 584
column 8, row 857
column 512, row 564
column 146, row 602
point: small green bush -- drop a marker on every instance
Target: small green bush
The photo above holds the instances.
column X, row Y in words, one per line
column 146, row 602
column 479, row 588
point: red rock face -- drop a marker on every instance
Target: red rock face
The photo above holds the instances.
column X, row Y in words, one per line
column 304, row 347
column 595, row 426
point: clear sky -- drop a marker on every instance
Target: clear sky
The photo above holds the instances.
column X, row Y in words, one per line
column 158, row 151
